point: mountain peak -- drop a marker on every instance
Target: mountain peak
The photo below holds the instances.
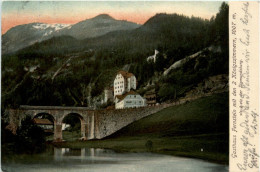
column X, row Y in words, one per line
column 103, row 16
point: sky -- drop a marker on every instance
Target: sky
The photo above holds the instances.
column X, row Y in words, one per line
column 70, row 12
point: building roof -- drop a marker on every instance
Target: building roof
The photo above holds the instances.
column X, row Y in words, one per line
column 150, row 95
column 150, row 92
column 111, row 107
column 121, row 97
column 42, row 121
column 125, row 74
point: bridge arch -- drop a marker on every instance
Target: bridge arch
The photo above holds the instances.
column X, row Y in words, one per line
column 82, row 122
column 48, row 127
column 44, row 114
column 73, row 113
column 37, row 113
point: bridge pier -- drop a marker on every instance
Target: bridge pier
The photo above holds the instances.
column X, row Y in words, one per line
column 57, row 133
column 83, row 131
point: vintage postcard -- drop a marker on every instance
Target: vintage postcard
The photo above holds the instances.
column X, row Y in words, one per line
column 244, row 86
column 129, row 86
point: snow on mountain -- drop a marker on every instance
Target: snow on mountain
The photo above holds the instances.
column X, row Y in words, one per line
column 52, row 26
column 25, row 35
column 47, row 33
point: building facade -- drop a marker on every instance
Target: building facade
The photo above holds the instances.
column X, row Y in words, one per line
column 124, row 82
column 129, row 100
column 124, row 95
column 46, row 124
column 150, row 98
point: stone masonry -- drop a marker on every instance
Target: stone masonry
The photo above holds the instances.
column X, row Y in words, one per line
column 95, row 124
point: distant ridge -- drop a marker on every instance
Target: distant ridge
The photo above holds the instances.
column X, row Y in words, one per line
column 37, row 32
column 103, row 16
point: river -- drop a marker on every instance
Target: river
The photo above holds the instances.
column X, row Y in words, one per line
column 103, row 160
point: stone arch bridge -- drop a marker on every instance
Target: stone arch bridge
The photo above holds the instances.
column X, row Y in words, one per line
column 95, row 124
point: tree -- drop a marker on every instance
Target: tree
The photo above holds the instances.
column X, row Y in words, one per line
column 160, row 63
column 30, row 137
column 221, row 23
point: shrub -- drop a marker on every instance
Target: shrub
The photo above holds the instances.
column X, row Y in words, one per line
column 30, row 137
column 149, row 145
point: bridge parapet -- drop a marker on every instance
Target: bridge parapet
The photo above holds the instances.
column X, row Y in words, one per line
column 27, row 107
column 95, row 124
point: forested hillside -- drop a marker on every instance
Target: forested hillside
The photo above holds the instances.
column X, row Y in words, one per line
column 65, row 71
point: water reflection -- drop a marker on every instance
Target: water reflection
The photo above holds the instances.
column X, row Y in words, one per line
column 85, row 155
column 90, row 159
column 60, row 153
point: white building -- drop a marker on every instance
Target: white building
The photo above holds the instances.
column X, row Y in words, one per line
column 65, row 126
column 46, row 124
column 129, row 100
column 124, row 82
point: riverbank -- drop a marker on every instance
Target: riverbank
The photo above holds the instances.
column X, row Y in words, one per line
column 198, row 129
column 196, row 146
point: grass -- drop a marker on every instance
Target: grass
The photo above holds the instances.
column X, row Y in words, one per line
column 182, row 130
column 67, row 136
column 188, row 146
